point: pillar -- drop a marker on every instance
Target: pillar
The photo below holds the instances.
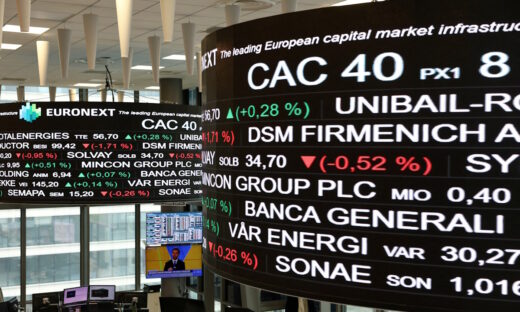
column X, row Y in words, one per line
column 209, row 290
column 173, row 287
column 325, row 306
column 171, row 90
column 20, row 93
column 120, row 96
column 250, row 297
column 52, row 94
column 83, row 95
column 303, row 305
column 136, row 96
column 171, row 93
column 73, row 95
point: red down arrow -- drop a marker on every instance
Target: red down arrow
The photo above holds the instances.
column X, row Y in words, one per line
column 308, row 160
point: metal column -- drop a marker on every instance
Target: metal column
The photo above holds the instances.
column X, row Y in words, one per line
column 171, row 90
column 20, row 93
column 83, row 95
column 84, row 253
column 171, row 93
column 137, row 247
column 23, row 257
column 209, row 290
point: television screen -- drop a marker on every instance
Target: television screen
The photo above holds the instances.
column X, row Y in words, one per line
column 74, row 296
column 174, row 261
column 102, row 293
column 173, row 228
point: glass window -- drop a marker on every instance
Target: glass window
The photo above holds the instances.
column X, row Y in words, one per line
column 112, row 246
column 8, row 94
column 37, row 94
column 52, row 249
column 10, row 252
column 147, row 96
column 64, row 94
column 146, row 208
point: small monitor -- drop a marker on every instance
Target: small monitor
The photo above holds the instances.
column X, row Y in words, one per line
column 173, row 228
column 173, row 261
column 98, row 293
column 42, row 299
column 75, row 296
column 10, row 305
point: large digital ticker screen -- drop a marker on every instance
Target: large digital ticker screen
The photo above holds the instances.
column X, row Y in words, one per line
column 367, row 154
column 59, row 153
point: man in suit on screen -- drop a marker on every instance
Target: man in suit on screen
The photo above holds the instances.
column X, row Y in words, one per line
column 175, row 264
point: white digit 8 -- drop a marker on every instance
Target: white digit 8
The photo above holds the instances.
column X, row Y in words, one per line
column 494, row 59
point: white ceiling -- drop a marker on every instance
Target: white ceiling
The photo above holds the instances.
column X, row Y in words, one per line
column 54, row 14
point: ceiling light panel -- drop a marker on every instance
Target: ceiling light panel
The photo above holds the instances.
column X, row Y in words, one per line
column 32, row 30
column 144, row 67
column 87, row 85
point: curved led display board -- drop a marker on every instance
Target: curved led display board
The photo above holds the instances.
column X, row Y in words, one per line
column 63, row 153
column 367, row 154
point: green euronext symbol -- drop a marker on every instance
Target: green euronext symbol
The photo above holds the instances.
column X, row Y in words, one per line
column 30, row 112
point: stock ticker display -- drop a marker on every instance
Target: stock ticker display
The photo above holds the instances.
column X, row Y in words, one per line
column 56, row 153
column 367, row 154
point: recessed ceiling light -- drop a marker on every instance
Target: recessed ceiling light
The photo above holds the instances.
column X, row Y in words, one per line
column 32, row 30
column 10, row 46
column 145, row 67
column 349, row 2
column 153, row 88
column 87, row 85
column 175, row 57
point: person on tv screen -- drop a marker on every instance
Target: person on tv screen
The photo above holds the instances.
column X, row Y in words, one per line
column 175, row 264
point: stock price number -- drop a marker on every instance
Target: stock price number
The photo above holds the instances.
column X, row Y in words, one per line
column 105, row 136
column 61, row 174
column 487, row 286
column 81, row 194
column 494, row 256
column 486, row 195
column 63, row 146
column 45, row 184
column 209, row 115
column 269, row 161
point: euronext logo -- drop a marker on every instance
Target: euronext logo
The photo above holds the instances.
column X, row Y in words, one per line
column 29, row 112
